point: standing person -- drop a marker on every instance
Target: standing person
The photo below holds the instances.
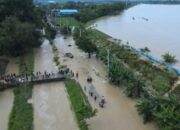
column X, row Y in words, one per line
column 77, row 75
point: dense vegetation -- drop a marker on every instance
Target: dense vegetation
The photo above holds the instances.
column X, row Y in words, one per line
column 21, row 116
column 84, row 43
column 176, row 91
column 19, row 21
column 50, row 33
column 164, row 110
column 91, row 12
column 145, row 49
column 79, row 102
column 16, row 37
column 87, row 12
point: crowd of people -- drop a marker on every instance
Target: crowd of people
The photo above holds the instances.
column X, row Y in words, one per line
column 14, row 78
column 93, row 93
column 29, row 77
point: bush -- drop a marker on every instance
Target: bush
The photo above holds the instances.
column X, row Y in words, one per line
column 17, row 37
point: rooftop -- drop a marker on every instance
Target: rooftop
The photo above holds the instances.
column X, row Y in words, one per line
column 68, row 11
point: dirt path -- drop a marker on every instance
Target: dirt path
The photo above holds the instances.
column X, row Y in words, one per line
column 7, row 96
column 51, row 105
column 119, row 113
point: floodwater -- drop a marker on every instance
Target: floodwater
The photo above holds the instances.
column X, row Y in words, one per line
column 7, row 97
column 154, row 26
column 51, row 104
column 119, row 112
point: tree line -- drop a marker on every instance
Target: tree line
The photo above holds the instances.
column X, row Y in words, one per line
column 19, row 24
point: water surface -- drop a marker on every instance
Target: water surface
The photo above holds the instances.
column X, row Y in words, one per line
column 154, row 26
column 7, row 96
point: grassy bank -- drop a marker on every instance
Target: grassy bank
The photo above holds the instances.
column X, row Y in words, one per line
column 138, row 77
column 160, row 80
column 79, row 102
column 21, row 116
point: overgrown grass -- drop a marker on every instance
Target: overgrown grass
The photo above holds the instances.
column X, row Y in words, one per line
column 21, row 116
column 80, row 104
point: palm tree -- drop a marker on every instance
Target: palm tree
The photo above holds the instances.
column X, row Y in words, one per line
column 145, row 49
column 144, row 108
column 135, row 86
column 168, row 58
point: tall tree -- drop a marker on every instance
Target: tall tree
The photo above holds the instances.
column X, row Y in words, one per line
column 24, row 10
column 17, row 37
column 19, row 8
column 86, row 45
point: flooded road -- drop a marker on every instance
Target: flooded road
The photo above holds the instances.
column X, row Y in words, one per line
column 154, row 26
column 7, row 97
column 119, row 112
column 51, row 104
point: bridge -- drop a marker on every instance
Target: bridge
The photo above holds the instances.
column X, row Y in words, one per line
column 13, row 80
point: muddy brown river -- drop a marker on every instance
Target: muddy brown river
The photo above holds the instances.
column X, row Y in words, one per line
column 119, row 113
column 51, row 104
column 7, row 96
column 153, row 25
column 52, row 109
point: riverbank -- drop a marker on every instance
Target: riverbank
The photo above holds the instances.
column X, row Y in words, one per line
column 152, row 83
column 153, row 74
column 7, row 96
column 21, row 116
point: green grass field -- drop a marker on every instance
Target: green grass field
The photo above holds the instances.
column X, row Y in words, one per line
column 70, row 21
